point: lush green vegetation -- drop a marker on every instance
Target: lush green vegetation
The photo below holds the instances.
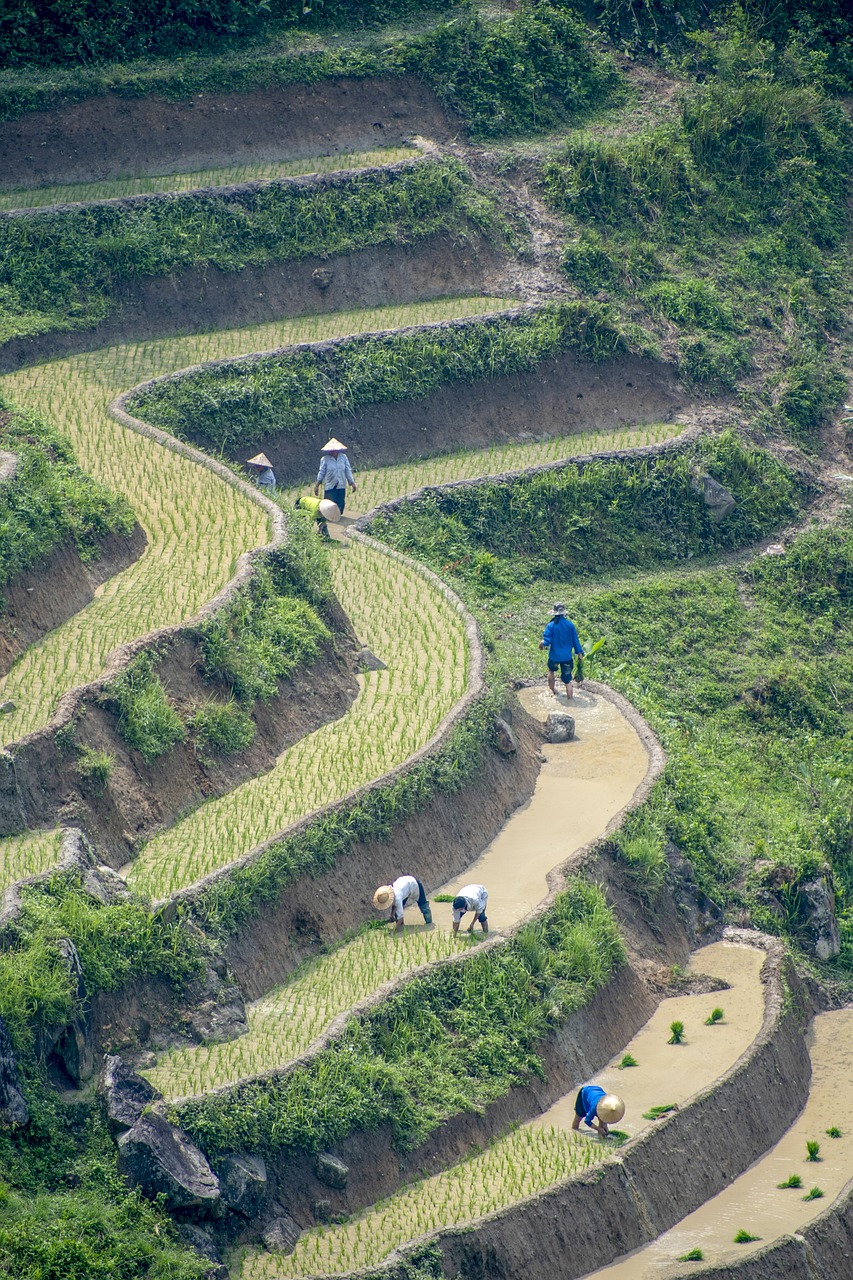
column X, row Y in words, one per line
column 50, row 499
column 62, row 266
column 147, row 720
column 454, row 1039
column 723, row 231
column 583, row 520
column 530, row 69
column 221, row 728
column 235, row 403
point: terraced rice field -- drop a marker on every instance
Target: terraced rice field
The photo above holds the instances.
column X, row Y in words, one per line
column 232, row 175
column 27, row 855
column 197, row 525
column 411, row 626
column 545, row 1151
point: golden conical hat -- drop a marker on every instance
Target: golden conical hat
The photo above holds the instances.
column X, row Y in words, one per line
column 329, row 510
column 610, row 1108
column 333, row 446
column 259, row 460
column 383, row 897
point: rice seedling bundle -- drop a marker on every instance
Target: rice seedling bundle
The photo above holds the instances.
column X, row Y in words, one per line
column 232, row 175
column 411, row 626
column 514, row 1168
column 196, row 524
column 283, row 1023
column 27, row 855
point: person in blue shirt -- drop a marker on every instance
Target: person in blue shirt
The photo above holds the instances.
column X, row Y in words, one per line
column 561, row 639
column 335, row 474
column 597, row 1109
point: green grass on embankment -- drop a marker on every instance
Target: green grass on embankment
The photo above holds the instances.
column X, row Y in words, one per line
column 228, row 406
column 513, row 72
column 62, row 267
column 50, row 499
column 452, row 1040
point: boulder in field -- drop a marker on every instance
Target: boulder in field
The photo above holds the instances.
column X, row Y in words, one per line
column 161, row 1160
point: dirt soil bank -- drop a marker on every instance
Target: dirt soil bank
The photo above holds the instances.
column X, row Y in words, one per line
column 558, row 397
column 660, row 1177
column 207, row 298
column 40, row 785
column 41, row 598
column 114, row 136
column 435, row 843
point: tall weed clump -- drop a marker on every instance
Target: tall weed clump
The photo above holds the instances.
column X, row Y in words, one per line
column 146, row 718
column 452, row 1040
column 50, row 498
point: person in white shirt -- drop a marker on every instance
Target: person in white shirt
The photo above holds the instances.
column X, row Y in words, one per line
column 474, row 897
column 335, row 474
column 406, row 891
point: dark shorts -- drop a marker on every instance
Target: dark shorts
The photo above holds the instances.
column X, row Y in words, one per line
column 338, row 496
column 579, row 1107
column 565, row 669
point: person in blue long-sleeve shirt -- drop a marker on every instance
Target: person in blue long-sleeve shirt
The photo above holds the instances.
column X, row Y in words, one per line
column 335, row 474
column 561, row 639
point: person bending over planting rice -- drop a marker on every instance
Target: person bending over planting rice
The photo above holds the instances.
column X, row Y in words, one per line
column 320, row 510
column 597, row 1109
column 562, row 641
column 406, row 891
column 335, row 474
column 473, row 897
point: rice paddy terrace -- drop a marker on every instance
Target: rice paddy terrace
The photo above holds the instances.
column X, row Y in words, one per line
column 404, row 1102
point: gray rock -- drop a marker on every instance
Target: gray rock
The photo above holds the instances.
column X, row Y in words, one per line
column 125, row 1094
column 13, row 1107
column 281, row 1235
column 200, row 1240
column 243, row 1184
column 718, row 500
column 72, row 1046
column 505, row 738
column 161, row 1160
column 105, row 885
column 367, row 661
column 820, row 922
column 323, row 1210
column 331, row 1171
column 7, row 707
column 223, row 1018
column 561, row 727
column 322, row 277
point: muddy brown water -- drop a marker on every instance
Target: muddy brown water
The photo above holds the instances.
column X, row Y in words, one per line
column 754, row 1202
column 582, row 785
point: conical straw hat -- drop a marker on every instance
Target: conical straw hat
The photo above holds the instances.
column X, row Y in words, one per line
column 383, row 897
column 333, row 446
column 259, row 460
column 610, row 1109
column 329, row 510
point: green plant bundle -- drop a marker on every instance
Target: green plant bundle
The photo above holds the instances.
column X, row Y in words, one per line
column 655, row 1113
column 812, row 1151
column 744, row 1237
column 232, row 405
column 814, row 1194
column 146, row 718
column 692, row 1255
column 793, row 1181
column 50, row 498
column 61, row 267
column 445, row 1042
column 676, row 1033
column 576, row 521
column 627, row 1060
column 715, row 1017
column 834, row 1132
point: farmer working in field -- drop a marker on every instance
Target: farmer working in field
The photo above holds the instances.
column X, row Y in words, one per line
column 473, row 897
column 262, row 471
column 597, row 1109
column 335, row 473
column 561, row 639
column 406, row 891
column 320, row 510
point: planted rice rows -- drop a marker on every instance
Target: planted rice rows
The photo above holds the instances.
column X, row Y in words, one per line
column 283, row 1023
column 515, row 1167
column 232, row 175
column 28, row 855
column 407, row 623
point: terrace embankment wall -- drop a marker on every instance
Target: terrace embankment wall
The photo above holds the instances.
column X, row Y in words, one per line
column 41, row 784
column 561, row 396
column 42, row 597
column 116, row 135
column 437, row 842
column 663, row 1175
column 206, row 298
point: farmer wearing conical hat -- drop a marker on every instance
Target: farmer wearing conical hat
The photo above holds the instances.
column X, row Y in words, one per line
column 335, row 473
column 474, row 897
column 561, row 639
column 597, row 1108
column 406, row 891
column 264, row 474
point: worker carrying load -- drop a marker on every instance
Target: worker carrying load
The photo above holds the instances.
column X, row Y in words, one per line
column 263, row 472
column 406, row 891
column 474, row 897
column 335, row 473
column 597, row 1108
column 562, row 641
